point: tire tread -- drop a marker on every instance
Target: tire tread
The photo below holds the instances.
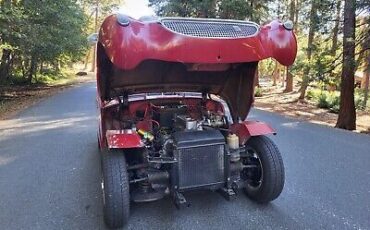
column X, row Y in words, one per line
column 116, row 189
column 273, row 181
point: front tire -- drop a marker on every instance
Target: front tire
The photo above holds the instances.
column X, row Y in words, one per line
column 265, row 181
column 115, row 186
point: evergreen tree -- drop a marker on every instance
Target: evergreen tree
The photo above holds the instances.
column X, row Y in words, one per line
column 347, row 112
column 35, row 32
column 254, row 10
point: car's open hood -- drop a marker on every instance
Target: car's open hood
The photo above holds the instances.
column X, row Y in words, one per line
column 188, row 55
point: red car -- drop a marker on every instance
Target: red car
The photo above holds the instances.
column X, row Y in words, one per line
column 174, row 95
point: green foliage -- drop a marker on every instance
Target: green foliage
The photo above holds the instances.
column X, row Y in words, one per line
column 258, row 92
column 266, row 67
column 230, row 9
column 311, row 95
column 334, row 103
column 99, row 8
column 359, row 101
column 193, row 8
column 37, row 33
column 53, row 29
column 322, row 101
column 239, row 9
column 50, row 77
column 331, row 100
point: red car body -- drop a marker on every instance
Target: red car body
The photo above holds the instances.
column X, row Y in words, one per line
column 173, row 97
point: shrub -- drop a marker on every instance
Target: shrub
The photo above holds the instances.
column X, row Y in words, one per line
column 335, row 109
column 322, row 101
column 359, row 102
column 333, row 103
column 310, row 94
column 331, row 100
column 313, row 94
column 258, row 92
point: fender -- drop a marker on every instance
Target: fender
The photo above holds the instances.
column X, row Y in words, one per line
column 248, row 129
column 121, row 139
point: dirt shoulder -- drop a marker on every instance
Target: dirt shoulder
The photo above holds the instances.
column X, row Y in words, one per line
column 14, row 99
column 275, row 100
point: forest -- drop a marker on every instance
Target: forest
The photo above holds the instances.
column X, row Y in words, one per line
column 41, row 38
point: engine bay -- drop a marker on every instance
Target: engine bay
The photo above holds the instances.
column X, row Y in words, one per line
column 172, row 144
column 186, row 144
column 156, row 119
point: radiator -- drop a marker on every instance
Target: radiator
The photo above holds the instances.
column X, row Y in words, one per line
column 200, row 159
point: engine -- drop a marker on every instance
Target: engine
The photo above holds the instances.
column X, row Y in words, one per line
column 187, row 147
column 186, row 129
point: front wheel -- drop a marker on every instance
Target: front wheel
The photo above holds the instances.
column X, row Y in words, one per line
column 115, row 186
column 264, row 170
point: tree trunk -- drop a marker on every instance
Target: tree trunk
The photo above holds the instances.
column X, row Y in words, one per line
column 87, row 58
column 42, row 69
column 275, row 74
column 366, row 77
column 93, row 65
column 292, row 10
column 278, row 11
column 362, row 59
column 289, row 76
column 363, row 79
column 296, row 12
column 311, row 36
column 32, row 70
column 289, row 83
column 347, row 111
column 56, row 66
column 5, row 65
column 24, row 66
column 256, row 78
column 70, row 65
column 334, row 45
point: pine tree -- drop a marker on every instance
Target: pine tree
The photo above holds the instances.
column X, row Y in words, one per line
column 347, row 111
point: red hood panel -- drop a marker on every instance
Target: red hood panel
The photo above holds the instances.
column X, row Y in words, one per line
column 128, row 46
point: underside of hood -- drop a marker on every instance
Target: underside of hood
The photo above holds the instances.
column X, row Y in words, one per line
column 235, row 84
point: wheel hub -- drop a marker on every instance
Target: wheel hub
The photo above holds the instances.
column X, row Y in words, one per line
column 253, row 174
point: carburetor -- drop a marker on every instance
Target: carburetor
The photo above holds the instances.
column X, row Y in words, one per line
column 187, row 123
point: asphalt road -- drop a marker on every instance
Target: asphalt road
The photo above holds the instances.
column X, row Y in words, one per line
column 50, row 169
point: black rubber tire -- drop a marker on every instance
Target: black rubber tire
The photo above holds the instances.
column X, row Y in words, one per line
column 116, row 192
column 273, row 170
